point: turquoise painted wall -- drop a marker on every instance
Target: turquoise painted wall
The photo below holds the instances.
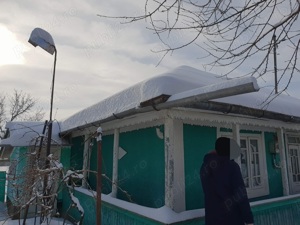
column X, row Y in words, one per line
column 142, row 169
column 65, row 157
column 107, row 160
column 197, row 142
column 283, row 212
column 2, row 185
column 19, row 160
column 76, row 157
column 76, row 160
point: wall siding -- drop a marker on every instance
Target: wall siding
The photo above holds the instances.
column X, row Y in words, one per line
column 277, row 213
column 107, row 159
column 76, row 160
column 198, row 141
column 284, row 212
column 141, row 170
column 2, row 185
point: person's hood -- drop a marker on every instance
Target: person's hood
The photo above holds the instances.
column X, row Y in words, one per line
column 227, row 147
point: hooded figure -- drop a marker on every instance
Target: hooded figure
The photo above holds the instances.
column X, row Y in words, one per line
column 226, row 200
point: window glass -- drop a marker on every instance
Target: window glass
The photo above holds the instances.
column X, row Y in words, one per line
column 244, row 163
column 253, row 165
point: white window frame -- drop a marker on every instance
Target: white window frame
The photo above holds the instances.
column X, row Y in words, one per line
column 254, row 192
column 294, row 186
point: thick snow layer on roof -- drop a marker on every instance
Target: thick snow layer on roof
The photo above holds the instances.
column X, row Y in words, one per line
column 181, row 79
column 282, row 103
column 25, row 133
column 176, row 81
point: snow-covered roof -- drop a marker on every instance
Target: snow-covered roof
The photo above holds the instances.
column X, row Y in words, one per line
column 25, row 133
column 181, row 79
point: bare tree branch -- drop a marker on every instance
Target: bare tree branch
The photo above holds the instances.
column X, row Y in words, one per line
column 232, row 33
column 20, row 103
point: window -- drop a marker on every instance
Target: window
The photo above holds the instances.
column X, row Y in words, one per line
column 293, row 158
column 253, row 164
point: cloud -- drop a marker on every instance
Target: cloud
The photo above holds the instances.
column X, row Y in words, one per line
column 97, row 57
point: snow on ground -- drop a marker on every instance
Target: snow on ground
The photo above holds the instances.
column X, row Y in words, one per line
column 4, row 220
column 54, row 221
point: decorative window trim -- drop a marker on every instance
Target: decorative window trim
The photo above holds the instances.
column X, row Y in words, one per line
column 294, row 185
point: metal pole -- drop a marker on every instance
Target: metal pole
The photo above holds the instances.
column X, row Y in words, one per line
column 275, row 63
column 53, row 78
column 99, row 175
column 51, row 107
column 49, row 138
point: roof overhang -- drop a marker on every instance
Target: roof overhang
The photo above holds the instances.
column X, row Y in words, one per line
column 182, row 99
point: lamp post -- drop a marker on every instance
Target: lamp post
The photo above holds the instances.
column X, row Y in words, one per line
column 43, row 39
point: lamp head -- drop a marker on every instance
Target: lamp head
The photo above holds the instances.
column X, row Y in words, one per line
column 42, row 38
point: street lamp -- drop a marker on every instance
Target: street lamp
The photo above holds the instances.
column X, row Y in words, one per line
column 42, row 38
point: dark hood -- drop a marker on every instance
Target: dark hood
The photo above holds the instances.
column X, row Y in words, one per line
column 227, row 147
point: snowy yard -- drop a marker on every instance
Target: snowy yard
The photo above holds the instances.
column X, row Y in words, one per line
column 54, row 221
column 5, row 221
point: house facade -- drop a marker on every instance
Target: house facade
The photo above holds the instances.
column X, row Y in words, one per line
column 155, row 135
column 25, row 143
column 151, row 159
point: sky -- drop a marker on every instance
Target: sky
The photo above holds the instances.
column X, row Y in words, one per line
column 96, row 58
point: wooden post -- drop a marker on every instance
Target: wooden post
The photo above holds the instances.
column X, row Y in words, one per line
column 99, row 175
column 115, row 163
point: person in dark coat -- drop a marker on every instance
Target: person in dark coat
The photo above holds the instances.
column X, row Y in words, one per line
column 226, row 200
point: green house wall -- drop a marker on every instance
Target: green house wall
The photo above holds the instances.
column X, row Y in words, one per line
column 107, row 159
column 141, row 169
column 19, row 159
column 77, row 148
column 2, row 185
column 65, row 158
column 274, row 213
column 198, row 141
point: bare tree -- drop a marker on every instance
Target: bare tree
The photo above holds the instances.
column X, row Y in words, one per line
column 2, row 110
column 231, row 33
column 21, row 106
